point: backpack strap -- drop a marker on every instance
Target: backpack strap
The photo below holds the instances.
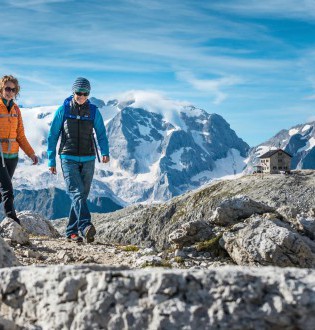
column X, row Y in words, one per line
column 67, row 111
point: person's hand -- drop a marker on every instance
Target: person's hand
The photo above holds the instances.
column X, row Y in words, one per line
column 34, row 158
column 53, row 169
column 105, row 159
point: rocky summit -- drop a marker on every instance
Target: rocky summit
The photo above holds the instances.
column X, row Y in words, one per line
column 234, row 254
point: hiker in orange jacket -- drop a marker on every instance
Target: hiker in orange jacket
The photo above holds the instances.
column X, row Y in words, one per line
column 11, row 138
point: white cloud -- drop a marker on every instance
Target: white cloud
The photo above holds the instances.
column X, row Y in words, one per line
column 212, row 86
column 297, row 9
column 155, row 101
column 34, row 5
column 310, row 97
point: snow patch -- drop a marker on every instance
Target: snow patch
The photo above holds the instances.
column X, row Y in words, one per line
column 176, row 158
column 191, row 111
column 306, row 127
column 293, row 131
column 231, row 165
column 199, row 139
column 309, row 145
column 263, row 149
column 158, row 103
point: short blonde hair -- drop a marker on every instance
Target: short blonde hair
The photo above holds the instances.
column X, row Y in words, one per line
column 11, row 79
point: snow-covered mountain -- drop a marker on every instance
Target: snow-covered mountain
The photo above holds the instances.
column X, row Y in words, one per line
column 299, row 141
column 165, row 158
column 159, row 148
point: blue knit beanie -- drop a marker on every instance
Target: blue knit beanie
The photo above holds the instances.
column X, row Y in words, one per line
column 81, row 85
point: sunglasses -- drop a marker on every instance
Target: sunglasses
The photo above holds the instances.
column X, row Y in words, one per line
column 9, row 89
column 81, row 94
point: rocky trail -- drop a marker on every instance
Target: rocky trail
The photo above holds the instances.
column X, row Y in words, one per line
column 53, row 251
column 44, row 250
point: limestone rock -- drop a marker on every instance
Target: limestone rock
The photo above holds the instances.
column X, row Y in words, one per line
column 35, row 224
column 288, row 211
column 32, row 254
column 220, row 204
column 180, row 253
column 7, row 256
column 308, row 225
column 12, row 230
column 145, row 261
column 309, row 242
column 147, row 251
column 7, row 324
column 239, row 207
column 190, row 233
column 97, row 297
column 264, row 242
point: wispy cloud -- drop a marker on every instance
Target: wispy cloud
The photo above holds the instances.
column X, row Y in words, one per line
column 230, row 52
column 214, row 87
column 296, row 9
column 34, row 5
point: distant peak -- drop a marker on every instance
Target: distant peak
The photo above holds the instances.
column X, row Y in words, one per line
column 124, row 104
column 99, row 103
column 112, row 103
column 120, row 104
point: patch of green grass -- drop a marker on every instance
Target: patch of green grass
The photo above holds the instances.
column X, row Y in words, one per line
column 180, row 213
column 128, row 248
column 212, row 245
column 179, row 260
column 210, row 195
column 171, row 249
column 163, row 263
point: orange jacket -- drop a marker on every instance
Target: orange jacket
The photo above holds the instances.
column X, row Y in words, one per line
column 11, row 127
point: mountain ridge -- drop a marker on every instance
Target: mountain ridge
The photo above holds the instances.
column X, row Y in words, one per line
column 299, row 141
column 159, row 149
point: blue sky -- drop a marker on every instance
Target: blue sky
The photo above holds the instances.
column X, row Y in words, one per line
column 253, row 62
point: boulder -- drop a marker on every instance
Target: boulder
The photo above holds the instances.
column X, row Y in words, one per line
column 149, row 261
column 308, row 225
column 237, row 208
column 190, row 233
column 35, row 224
column 288, row 211
column 260, row 241
column 7, row 324
column 7, row 256
column 12, row 230
column 97, row 297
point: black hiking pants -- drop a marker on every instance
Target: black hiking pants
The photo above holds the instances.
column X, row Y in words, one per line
column 6, row 188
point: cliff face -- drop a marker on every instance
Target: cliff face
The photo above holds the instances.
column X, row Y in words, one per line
column 167, row 158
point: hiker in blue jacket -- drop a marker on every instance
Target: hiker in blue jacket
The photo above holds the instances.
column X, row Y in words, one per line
column 75, row 121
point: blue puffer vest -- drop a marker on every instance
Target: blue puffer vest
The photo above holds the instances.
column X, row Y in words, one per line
column 77, row 129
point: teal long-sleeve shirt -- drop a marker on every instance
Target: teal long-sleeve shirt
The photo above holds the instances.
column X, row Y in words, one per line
column 55, row 131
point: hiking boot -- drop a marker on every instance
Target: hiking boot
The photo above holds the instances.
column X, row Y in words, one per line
column 75, row 238
column 89, row 233
column 17, row 220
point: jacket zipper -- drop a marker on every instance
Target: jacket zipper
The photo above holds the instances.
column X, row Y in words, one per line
column 9, row 123
column 79, row 131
